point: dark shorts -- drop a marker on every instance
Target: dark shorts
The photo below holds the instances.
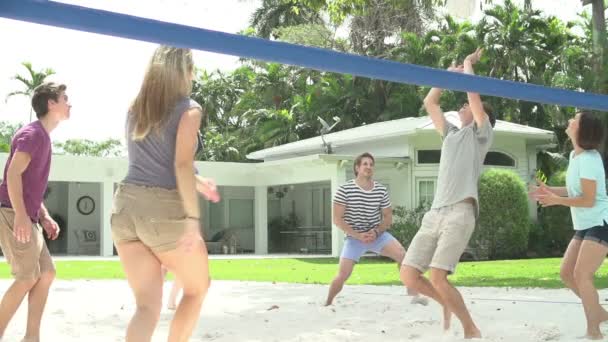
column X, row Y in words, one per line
column 598, row 234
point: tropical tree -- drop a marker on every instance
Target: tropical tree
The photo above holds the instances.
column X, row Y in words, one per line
column 85, row 147
column 7, row 131
column 276, row 127
column 30, row 81
column 274, row 14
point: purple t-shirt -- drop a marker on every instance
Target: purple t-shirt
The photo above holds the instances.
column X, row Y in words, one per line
column 34, row 140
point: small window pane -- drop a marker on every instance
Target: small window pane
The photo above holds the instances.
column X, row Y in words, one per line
column 499, row 159
column 429, row 156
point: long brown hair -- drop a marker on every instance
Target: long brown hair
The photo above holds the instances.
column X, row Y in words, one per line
column 167, row 79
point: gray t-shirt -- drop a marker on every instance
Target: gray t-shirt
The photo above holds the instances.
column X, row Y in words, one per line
column 462, row 155
column 152, row 160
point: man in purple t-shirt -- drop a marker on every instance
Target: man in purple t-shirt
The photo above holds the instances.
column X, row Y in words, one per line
column 22, row 213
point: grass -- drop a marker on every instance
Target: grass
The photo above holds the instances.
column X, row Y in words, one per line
column 542, row 273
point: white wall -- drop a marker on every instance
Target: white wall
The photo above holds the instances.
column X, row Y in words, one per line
column 392, row 147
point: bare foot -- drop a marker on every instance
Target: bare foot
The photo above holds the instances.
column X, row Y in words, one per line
column 604, row 316
column 596, row 336
column 419, row 300
column 472, row 333
column 31, row 339
column 447, row 319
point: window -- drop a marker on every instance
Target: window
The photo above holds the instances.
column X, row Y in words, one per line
column 428, row 156
column 216, row 216
column 274, row 208
column 321, row 207
column 426, row 191
column 240, row 213
column 499, row 159
column 327, row 207
column 316, row 207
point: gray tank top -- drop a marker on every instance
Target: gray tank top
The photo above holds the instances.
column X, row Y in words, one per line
column 152, row 160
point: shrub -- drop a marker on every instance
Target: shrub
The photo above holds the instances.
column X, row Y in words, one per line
column 555, row 222
column 407, row 222
column 504, row 220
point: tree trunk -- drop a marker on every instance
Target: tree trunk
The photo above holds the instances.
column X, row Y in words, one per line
column 599, row 45
column 599, row 53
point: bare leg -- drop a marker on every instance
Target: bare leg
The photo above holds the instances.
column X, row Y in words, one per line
column 172, row 302
column 567, row 271
column 413, row 279
column 36, row 303
column 192, row 270
column 453, row 299
column 12, row 300
column 395, row 251
column 144, row 275
column 590, row 258
column 345, row 269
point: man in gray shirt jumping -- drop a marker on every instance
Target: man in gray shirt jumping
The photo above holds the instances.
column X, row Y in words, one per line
column 447, row 227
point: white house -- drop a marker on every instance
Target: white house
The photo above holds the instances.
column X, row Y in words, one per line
column 292, row 180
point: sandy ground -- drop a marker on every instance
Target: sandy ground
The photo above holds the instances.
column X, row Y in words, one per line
column 248, row 311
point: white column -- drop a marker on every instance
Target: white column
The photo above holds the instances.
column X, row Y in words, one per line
column 532, row 206
column 261, row 220
column 337, row 235
column 107, row 192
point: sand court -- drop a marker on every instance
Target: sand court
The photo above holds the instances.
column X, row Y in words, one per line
column 98, row 310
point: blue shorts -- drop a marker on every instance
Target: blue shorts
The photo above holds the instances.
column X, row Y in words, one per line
column 354, row 249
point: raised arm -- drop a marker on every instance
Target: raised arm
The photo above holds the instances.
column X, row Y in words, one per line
column 479, row 114
column 431, row 104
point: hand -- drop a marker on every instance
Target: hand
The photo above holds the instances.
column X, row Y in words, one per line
column 192, row 236
column 475, row 56
column 207, row 188
column 366, row 237
column 22, row 228
column 456, row 68
column 50, row 227
column 535, row 190
column 547, row 198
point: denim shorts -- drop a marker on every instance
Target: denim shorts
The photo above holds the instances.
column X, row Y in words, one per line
column 598, row 234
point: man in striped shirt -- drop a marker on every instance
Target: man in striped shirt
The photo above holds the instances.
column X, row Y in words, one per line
column 362, row 209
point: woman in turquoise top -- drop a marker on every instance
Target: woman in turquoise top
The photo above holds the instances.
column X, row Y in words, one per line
column 585, row 194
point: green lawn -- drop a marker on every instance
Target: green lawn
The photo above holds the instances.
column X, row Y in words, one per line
column 513, row 273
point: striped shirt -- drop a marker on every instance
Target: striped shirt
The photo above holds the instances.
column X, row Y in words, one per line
column 363, row 208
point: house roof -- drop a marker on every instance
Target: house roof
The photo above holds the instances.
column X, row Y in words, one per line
column 389, row 129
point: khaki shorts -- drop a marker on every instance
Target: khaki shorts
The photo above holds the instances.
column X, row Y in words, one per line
column 442, row 238
column 27, row 260
column 153, row 216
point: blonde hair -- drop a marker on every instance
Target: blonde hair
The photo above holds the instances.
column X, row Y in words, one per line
column 167, row 80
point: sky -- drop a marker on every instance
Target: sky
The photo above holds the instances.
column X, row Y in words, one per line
column 104, row 73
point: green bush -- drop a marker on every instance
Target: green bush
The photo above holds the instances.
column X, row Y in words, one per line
column 555, row 223
column 504, row 220
column 407, row 222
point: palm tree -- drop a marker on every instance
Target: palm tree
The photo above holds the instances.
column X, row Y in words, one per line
column 274, row 14
column 276, row 127
column 31, row 81
column 598, row 35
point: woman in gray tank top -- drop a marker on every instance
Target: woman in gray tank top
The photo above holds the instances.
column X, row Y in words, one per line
column 155, row 216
